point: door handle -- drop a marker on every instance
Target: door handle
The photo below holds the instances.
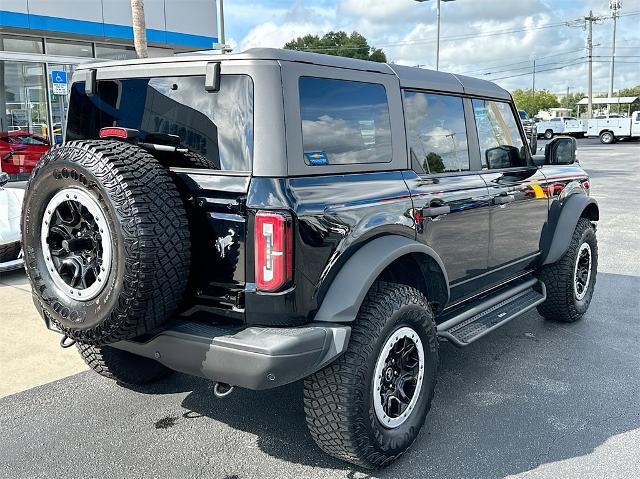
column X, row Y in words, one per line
column 436, row 211
column 503, row 199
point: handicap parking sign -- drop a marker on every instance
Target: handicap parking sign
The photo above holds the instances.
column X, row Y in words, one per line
column 59, row 82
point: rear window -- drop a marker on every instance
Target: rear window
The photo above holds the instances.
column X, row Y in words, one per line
column 216, row 127
column 344, row 122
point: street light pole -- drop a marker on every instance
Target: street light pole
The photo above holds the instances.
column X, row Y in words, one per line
column 438, row 28
column 438, row 36
column 221, row 38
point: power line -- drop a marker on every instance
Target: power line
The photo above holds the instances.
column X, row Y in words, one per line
column 573, row 22
column 581, row 62
column 528, row 61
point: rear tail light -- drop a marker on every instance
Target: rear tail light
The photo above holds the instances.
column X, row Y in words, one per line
column 273, row 250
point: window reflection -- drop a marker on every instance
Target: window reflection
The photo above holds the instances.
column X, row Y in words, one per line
column 217, row 128
column 436, row 132
column 501, row 144
column 344, row 122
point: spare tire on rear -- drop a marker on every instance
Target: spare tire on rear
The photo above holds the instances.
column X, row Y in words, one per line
column 105, row 239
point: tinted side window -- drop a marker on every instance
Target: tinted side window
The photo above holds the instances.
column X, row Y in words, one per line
column 436, row 132
column 344, row 122
column 501, row 145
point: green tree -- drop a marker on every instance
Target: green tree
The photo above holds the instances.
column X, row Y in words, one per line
column 532, row 102
column 338, row 44
column 632, row 91
column 571, row 101
column 433, row 163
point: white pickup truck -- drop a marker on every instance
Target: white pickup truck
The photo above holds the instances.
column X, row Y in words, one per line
column 566, row 125
column 612, row 129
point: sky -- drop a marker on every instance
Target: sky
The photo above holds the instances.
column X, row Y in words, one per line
column 550, row 32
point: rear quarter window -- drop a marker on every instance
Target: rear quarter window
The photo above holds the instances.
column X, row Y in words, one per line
column 344, row 122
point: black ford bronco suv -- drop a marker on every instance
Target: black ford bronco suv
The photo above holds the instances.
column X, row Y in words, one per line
column 271, row 216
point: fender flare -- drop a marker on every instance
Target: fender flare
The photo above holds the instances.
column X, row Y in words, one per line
column 348, row 289
column 563, row 219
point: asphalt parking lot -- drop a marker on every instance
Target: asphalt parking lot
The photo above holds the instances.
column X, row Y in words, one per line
column 535, row 399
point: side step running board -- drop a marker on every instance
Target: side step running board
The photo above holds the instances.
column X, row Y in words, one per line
column 481, row 319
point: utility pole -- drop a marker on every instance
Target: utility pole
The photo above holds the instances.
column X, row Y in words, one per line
column 590, row 19
column 533, row 81
column 615, row 6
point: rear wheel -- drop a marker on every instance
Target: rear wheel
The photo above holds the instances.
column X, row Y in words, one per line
column 122, row 366
column 571, row 281
column 369, row 405
column 607, row 137
column 548, row 134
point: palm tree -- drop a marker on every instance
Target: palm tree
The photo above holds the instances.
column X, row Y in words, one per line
column 139, row 28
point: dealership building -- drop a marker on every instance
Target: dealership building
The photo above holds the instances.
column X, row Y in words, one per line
column 41, row 41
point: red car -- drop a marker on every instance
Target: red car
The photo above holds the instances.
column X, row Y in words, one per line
column 20, row 151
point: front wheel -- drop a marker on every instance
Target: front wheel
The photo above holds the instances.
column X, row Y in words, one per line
column 368, row 406
column 548, row 134
column 571, row 280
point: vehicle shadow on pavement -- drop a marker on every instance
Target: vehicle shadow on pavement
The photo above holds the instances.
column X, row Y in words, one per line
column 532, row 393
column 275, row 416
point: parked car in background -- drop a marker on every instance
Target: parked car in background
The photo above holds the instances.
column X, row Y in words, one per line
column 530, row 129
column 10, row 208
column 566, row 125
column 610, row 129
column 20, row 151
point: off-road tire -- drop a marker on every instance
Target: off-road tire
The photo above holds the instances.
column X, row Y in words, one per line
column 561, row 303
column 9, row 252
column 338, row 399
column 122, row 366
column 149, row 236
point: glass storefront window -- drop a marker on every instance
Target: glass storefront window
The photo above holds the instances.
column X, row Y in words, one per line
column 115, row 52
column 69, row 48
column 9, row 43
column 24, row 121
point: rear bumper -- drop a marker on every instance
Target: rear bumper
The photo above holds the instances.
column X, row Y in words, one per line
column 252, row 357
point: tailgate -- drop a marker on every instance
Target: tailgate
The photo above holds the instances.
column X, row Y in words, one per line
column 217, row 217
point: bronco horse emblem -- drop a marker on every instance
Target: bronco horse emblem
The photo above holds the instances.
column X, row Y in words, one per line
column 224, row 243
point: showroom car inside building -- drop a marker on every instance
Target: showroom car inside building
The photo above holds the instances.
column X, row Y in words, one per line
column 41, row 43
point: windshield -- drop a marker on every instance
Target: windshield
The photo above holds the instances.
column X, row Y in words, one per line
column 523, row 115
column 216, row 127
column 28, row 140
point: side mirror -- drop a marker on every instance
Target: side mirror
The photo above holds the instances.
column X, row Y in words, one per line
column 4, row 179
column 560, row 151
column 502, row 156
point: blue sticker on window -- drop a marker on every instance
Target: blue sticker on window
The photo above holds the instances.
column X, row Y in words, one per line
column 316, row 158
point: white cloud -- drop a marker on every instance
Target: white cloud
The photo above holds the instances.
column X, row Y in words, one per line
column 405, row 30
column 271, row 34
